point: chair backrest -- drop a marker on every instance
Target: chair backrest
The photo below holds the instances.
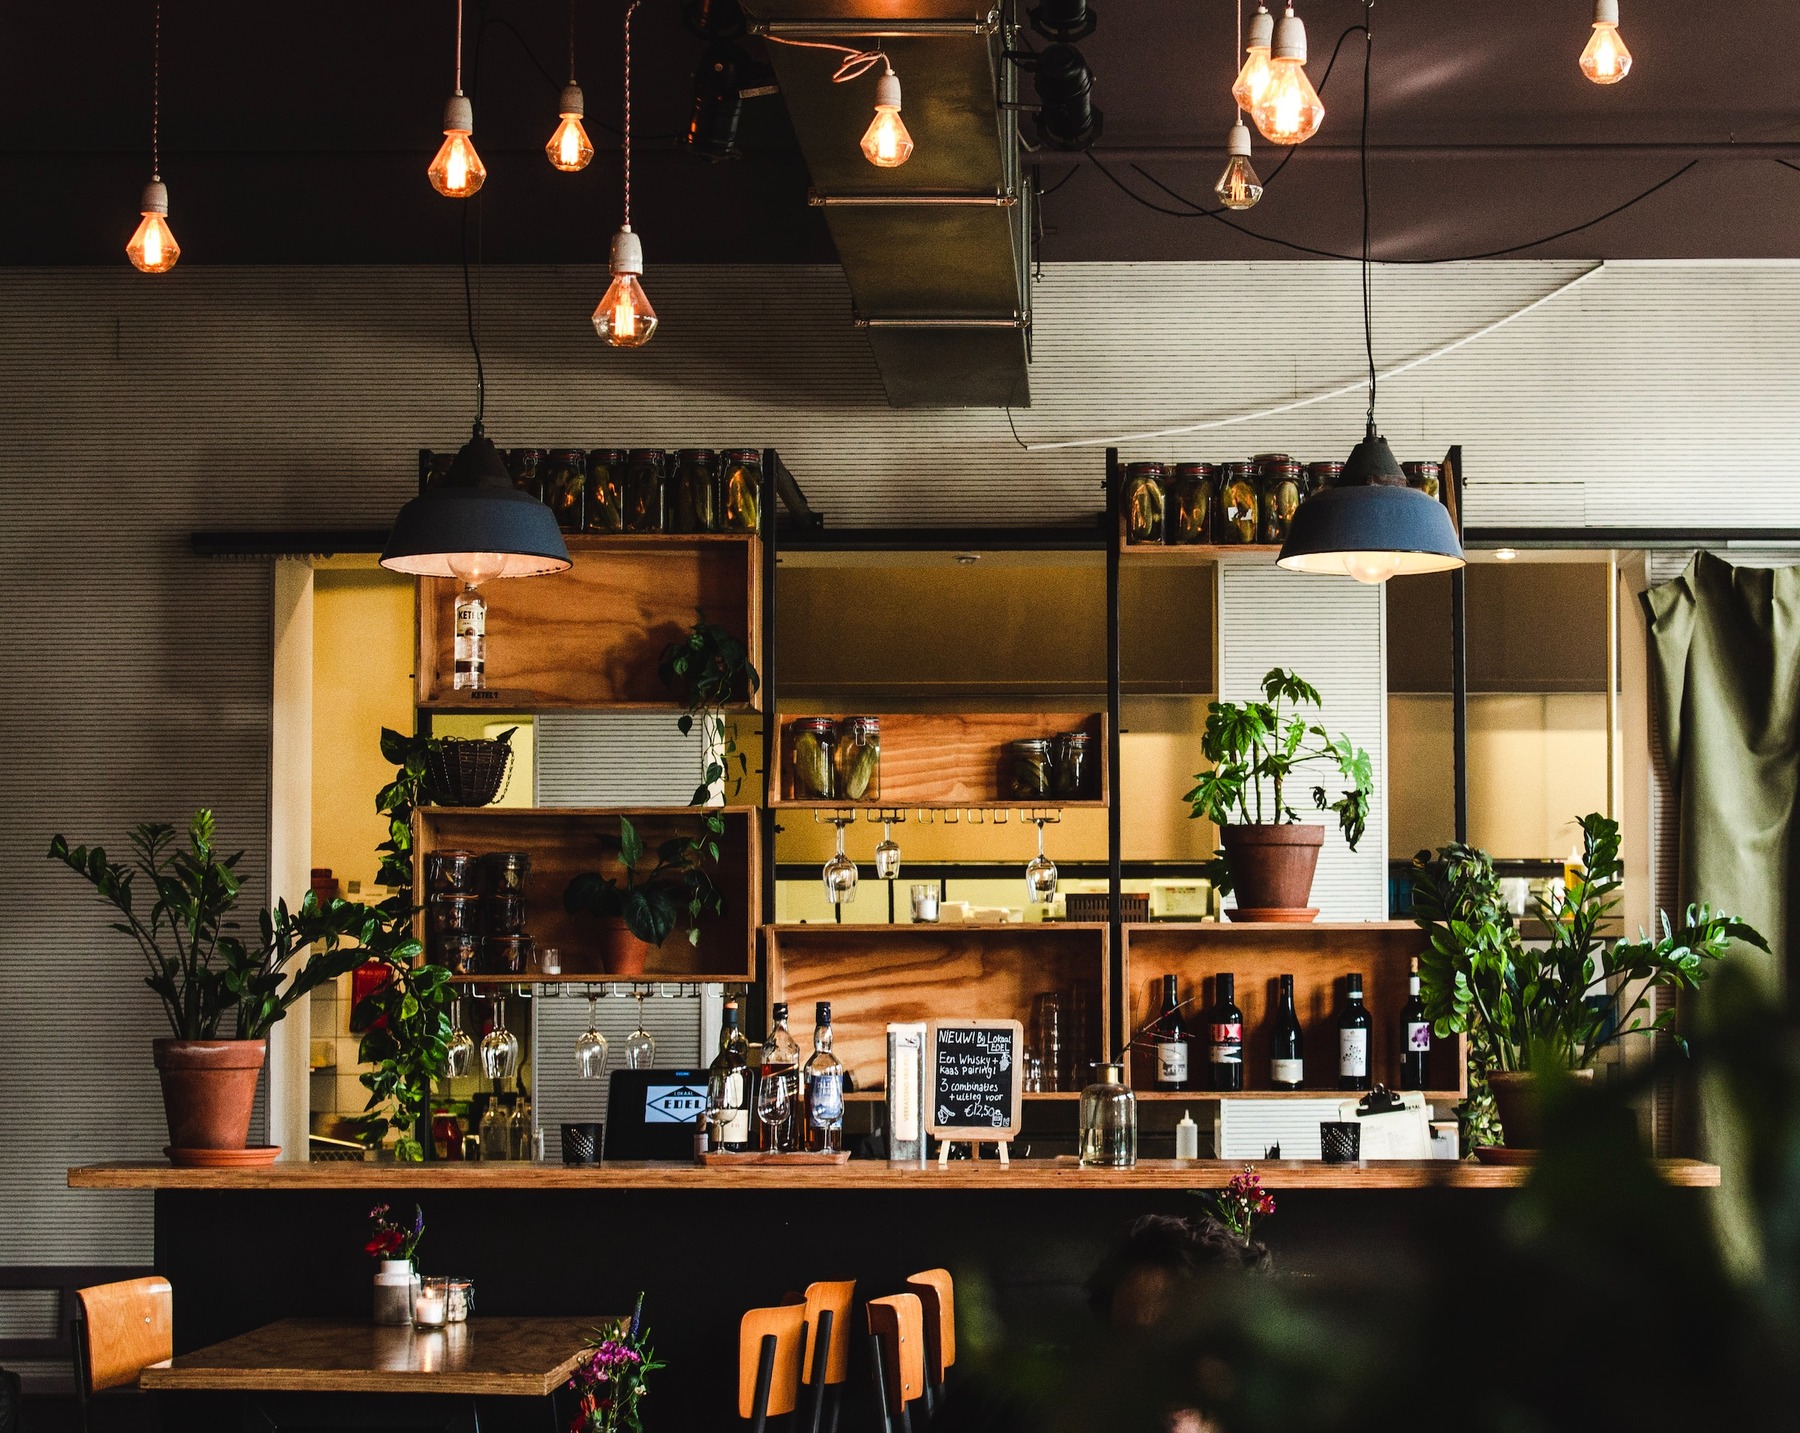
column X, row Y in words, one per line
column 128, row 1327
column 835, row 1297
column 786, row 1324
column 896, row 1323
column 937, row 1303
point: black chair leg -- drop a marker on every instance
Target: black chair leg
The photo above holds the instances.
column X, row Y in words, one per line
column 821, row 1369
column 878, row 1380
column 833, row 1397
column 765, row 1380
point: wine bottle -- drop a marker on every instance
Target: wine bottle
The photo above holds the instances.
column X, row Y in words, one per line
column 822, row 1077
column 1415, row 1053
column 1287, row 1057
column 728, row 1085
column 1226, row 1037
column 1353, row 1038
column 1169, row 1039
column 780, row 1060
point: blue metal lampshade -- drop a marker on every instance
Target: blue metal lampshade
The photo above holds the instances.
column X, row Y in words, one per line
column 1372, row 526
column 474, row 521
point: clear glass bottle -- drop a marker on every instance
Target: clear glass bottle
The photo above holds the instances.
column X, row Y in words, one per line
column 469, row 659
column 740, row 491
column 780, row 1061
column 822, row 1080
column 1146, row 505
column 728, row 1086
column 1109, row 1121
column 496, row 1129
column 857, row 758
column 520, row 1132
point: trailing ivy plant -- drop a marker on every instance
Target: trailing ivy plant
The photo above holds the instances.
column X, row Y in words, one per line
column 709, row 669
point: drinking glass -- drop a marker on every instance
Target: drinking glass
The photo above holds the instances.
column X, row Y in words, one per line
column 1040, row 875
column 840, row 874
column 887, row 854
column 640, row 1046
column 500, row 1047
column 459, row 1050
column 925, row 897
column 775, row 1107
column 590, row 1046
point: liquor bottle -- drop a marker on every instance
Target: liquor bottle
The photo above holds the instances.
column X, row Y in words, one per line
column 1169, row 1040
column 780, row 1061
column 1415, row 1054
column 1226, row 1037
column 470, row 654
column 728, row 1085
column 822, row 1083
column 1353, row 1038
column 1287, row 1051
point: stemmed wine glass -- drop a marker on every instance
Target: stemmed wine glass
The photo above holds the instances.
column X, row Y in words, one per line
column 1040, row 875
column 500, row 1047
column 775, row 1107
column 887, row 854
column 459, row 1049
column 590, row 1045
column 640, row 1045
column 840, row 874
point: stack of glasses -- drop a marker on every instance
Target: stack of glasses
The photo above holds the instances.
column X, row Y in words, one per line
column 476, row 917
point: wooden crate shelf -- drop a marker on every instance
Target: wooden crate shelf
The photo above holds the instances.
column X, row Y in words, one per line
column 1318, row 956
column 956, row 761
column 876, row 974
column 564, row 842
column 589, row 638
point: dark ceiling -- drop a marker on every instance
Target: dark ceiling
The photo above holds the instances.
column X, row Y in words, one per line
column 300, row 134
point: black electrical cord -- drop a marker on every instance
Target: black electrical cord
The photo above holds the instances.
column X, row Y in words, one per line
column 468, row 291
column 1363, row 160
column 592, row 120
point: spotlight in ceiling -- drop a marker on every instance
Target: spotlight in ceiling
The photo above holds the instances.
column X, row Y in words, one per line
column 1606, row 61
column 1066, row 115
column 718, row 106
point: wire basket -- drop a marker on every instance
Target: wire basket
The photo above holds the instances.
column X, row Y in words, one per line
column 467, row 771
column 1092, row 906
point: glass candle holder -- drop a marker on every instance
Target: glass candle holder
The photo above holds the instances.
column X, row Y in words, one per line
column 431, row 1304
column 462, row 1299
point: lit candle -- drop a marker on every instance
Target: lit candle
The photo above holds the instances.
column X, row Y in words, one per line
column 430, row 1309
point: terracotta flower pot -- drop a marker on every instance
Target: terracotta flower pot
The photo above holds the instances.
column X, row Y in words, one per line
column 621, row 952
column 1517, row 1102
column 209, row 1089
column 1272, row 868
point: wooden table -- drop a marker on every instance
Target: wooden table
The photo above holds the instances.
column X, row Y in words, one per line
column 438, row 1372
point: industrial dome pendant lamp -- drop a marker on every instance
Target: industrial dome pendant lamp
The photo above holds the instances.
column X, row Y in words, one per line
column 1372, row 526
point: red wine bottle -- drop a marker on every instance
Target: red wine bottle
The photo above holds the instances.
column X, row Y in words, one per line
column 1287, row 1052
column 1415, row 1053
column 1226, row 1037
column 1170, row 1040
column 1353, row 1037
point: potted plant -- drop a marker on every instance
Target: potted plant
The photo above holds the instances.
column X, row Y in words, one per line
column 203, row 973
column 1532, row 1011
column 641, row 910
column 1256, row 748
column 394, row 1244
column 709, row 669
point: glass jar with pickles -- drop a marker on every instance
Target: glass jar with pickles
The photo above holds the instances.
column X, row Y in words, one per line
column 565, row 486
column 1068, row 776
column 1146, row 503
column 1428, row 478
column 644, row 489
column 815, row 742
column 523, row 466
column 857, row 758
column 1190, row 503
column 1278, row 497
column 740, row 491
column 692, row 491
column 1032, row 765
column 605, row 491
column 1322, row 476
column 1238, row 522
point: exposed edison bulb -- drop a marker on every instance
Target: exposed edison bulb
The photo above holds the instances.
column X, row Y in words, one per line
column 1238, row 186
column 457, row 172
column 569, row 147
column 152, row 246
column 1372, row 568
column 1290, row 111
column 1606, row 61
column 1253, row 79
column 886, row 143
column 624, row 318
column 475, row 568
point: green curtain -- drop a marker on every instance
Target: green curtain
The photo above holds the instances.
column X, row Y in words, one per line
column 1725, row 669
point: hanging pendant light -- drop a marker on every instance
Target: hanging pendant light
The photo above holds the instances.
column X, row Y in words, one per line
column 1290, row 111
column 569, row 148
column 1252, row 81
column 456, row 171
column 1605, row 60
column 624, row 318
column 1371, row 526
column 886, row 142
column 152, row 247
column 1238, row 186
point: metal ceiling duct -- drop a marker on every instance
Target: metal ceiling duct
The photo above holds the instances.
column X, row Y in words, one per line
column 937, row 251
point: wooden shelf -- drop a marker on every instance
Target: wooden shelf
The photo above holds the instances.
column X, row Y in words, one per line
column 1322, row 1092
column 876, row 974
column 1057, row 1175
column 956, row 761
column 589, row 638
column 875, row 1096
column 1198, row 552
column 565, row 841
column 1318, row 956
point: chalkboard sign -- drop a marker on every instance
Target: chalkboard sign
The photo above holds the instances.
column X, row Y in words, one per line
column 975, row 1079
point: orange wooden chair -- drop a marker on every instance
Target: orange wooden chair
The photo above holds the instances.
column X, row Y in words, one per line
column 770, row 1345
column 897, row 1358
column 120, row 1330
column 937, row 1304
column 827, row 1326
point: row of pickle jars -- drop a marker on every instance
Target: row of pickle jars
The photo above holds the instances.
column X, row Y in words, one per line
column 839, row 759
column 636, row 490
column 1234, row 503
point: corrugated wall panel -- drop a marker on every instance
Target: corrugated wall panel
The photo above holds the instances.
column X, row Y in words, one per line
column 559, row 1093
column 614, row 759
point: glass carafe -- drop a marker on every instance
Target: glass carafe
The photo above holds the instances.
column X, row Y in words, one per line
column 1109, row 1121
